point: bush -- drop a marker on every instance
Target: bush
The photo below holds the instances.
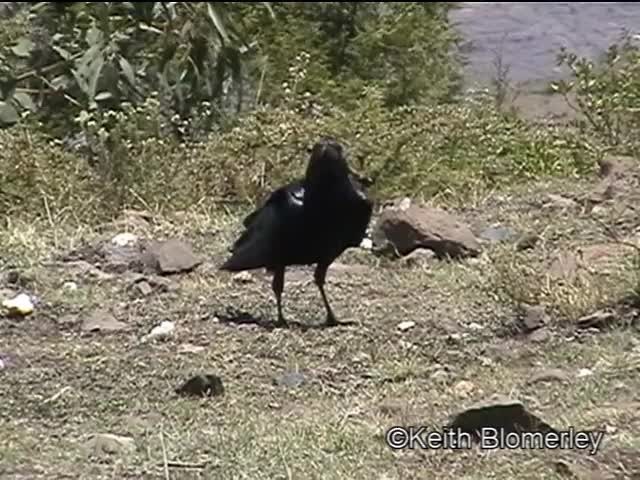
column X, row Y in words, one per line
column 607, row 95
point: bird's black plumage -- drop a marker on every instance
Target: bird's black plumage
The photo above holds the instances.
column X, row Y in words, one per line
column 311, row 220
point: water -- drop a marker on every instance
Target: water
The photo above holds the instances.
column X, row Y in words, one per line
column 529, row 35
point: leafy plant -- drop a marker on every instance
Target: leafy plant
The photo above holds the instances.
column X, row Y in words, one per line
column 90, row 55
column 607, row 95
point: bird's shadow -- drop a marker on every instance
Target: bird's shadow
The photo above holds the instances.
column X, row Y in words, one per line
column 234, row 316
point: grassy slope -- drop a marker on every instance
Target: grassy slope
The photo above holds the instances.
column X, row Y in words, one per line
column 360, row 379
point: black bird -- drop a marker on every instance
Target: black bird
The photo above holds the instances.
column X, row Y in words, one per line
column 311, row 220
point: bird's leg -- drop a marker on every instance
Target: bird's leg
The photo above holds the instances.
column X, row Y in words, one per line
column 319, row 277
column 277, row 284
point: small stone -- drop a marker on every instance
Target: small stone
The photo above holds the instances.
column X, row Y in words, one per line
column 242, row 277
column 366, row 244
column 541, row 335
column 124, row 239
column 475, row 326
column 164, row 330
column 101, row 320
column 291, row 380
column 172, row 256
column 71, row 286
column 533, row 317
column 497, row 234
column 464, row 388
column 584, row 372
column 144, row 288
column 20, row 305
column 404, row 326
column 105, row 444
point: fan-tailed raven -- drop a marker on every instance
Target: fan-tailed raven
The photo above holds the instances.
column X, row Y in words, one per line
column 311, row 220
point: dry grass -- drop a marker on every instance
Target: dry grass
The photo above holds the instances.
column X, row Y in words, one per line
column 63, row 385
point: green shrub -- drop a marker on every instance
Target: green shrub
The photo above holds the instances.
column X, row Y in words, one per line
column 607, row 94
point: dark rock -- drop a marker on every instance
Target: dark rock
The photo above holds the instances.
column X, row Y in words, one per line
column 505, row 414
column 423, row 227
column 202, row 385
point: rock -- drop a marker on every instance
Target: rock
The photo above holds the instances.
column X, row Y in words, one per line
column 508, row 415
column 70, row 286
column 601, row 319
column 549, row 375
column 419, row 256
column 559, row 201
column 144, row 288
column 464, row 388
column 202, row 385
column 527, row 241
column 164, row 330
column 118, row 259
column 366, row 244
column 435, row 229
column 497, row 234
column 540, row 335
column 242, row 277
column 124, row 239
column 20, row 305
column 104, row 444
column 404, row 326
column 584, row 372
column 532, row 317
column 103, row 321
column 291, row 380
column 171, row 256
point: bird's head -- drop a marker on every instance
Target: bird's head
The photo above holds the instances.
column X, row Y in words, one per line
column 327, row 160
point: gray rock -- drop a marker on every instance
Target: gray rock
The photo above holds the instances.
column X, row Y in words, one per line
column 102, row 321
column 425, row 227
column 291, row 380
column 105, row 444
column 497, row 234
column 532, row 317
column 171, row 256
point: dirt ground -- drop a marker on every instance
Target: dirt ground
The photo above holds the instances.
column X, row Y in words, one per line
column 308, row 402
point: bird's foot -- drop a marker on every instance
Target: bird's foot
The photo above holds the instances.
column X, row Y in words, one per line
column 281, row 322
column 331, row 321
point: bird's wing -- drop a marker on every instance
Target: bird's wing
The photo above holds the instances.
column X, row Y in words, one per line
column 263, row 228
